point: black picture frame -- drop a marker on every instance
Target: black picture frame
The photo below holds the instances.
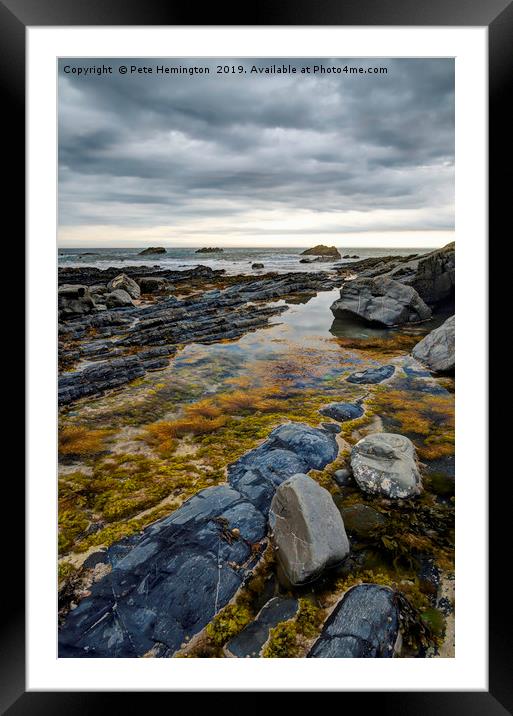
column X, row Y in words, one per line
column 497, row 15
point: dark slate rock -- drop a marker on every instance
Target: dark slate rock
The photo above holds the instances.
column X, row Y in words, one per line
column 372, row 375
column 342, row 411
column 365, row 624
column 332, row 428
column 316, row 447
column 290, row 449
column 249, row 642
column 95, row 558
column 169, row 581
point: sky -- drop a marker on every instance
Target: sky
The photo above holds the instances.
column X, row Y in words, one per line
column 256, row 159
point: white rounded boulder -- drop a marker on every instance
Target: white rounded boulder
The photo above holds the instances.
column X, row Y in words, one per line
column 385, row 464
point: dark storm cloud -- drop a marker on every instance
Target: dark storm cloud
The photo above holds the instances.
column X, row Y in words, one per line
column 148, row 150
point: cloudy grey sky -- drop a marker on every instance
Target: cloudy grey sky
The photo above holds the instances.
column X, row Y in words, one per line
column 257, row 159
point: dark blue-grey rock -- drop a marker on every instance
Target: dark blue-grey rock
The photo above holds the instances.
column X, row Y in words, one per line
column 307, row 529
column 381, row 300
column 332, row 428
column 249, row 642
column 316, row 447
column 372, row 375
column 169, row 581
column 364, row 625
column 342, row 411
column 290, row 449
column 385, row 464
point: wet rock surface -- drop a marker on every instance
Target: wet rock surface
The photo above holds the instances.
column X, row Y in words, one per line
column 381, row 300
column 209, row 317
column 307, row 529
column 372, row 375
column 385, row 464
column 364, row 625
column 250, row 641
column 168, row 582
column 290, row 449
column 342, row 411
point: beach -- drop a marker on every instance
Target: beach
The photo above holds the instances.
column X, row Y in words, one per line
column 192, row 386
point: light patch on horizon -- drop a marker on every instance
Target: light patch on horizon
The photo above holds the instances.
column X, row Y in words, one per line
column 261, row 161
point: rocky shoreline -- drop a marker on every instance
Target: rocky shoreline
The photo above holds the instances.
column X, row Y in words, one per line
column 331, row 532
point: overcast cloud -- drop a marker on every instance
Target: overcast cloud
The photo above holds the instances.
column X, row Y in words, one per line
column 275, row 160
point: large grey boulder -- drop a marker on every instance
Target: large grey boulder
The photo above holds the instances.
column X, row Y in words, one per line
column 381, row 300
column 125, row 283
column 436, row 350
column 307, row 529
column 385, row 464
column 118, row 298
column 364, row 625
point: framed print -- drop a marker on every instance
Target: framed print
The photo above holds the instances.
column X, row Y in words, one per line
column 249, row 447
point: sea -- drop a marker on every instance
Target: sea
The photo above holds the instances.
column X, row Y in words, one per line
column 234, row 261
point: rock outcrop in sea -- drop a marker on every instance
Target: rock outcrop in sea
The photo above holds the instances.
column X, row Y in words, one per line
column 321, row 250
column 152, row 251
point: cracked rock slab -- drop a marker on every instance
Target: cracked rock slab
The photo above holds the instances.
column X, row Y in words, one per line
column 365, row 624
column 250, row 641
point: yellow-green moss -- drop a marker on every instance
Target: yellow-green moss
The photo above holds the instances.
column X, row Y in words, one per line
column 229, row 622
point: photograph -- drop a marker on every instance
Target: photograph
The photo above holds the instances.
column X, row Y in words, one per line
column 256, row 357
